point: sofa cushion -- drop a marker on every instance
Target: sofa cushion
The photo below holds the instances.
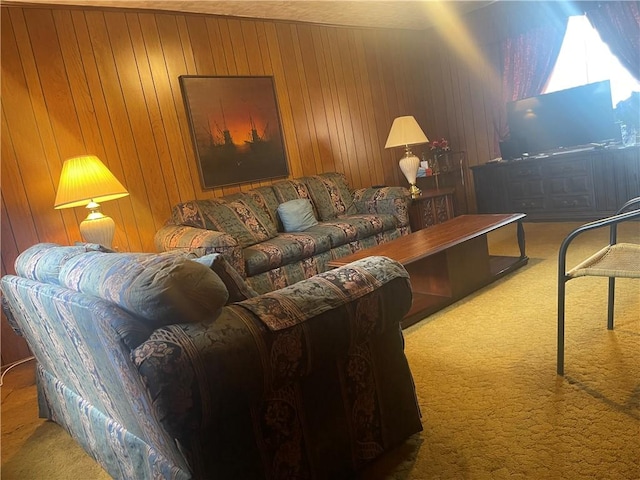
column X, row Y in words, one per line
column 297, row 215
column 160, row 289
column 354, row 227
column 338, row 232
column 289, row 274
column 284, row 249
column 241, row 218
column 265, row 198
column 368, row 225
column 331, row 195
column 390, row 200
column 286, row 190
column 236, row 286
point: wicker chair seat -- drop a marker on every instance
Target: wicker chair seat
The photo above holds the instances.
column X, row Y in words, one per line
column 621, row 260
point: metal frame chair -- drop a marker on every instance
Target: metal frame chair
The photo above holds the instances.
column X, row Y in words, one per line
column 614, row 260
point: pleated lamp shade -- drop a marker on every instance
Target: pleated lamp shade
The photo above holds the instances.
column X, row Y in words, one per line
column 86, row 179
column 405, row 131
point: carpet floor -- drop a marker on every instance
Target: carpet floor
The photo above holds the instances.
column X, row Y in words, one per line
column 485, row 373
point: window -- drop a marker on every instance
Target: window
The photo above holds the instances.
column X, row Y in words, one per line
column 585, row 58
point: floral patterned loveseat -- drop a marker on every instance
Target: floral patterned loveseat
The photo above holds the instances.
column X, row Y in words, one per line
column 168, row 366
column 247, row 229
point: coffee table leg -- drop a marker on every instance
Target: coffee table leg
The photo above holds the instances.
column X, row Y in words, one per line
column 521, row 244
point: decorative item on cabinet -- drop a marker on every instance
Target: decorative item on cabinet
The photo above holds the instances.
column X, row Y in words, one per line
column 447, row 171
column 439, row 150
column 448, row 163
column 424, row 164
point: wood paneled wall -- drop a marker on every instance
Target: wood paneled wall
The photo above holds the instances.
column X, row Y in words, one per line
column 86, row 80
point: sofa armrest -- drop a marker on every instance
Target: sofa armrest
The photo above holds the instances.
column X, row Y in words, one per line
column 390, row 200
column 197, row 372
column 202, row 242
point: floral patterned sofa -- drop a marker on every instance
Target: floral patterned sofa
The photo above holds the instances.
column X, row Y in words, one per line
column 169, row 366
column 247, row 227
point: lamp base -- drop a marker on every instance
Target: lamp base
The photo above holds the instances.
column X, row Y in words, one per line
column 97, row 227
column 414, row 191
column 409, row 165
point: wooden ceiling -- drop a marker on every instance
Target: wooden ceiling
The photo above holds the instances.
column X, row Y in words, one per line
column 415, row 14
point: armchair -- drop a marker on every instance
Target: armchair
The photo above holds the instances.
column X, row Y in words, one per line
column 613, row 260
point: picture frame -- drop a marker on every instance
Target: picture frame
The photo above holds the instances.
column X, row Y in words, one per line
column 235, row 128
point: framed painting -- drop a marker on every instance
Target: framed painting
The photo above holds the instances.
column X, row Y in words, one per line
column 235, row 128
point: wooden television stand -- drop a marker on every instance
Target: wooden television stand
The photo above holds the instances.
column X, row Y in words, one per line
column 448, row 261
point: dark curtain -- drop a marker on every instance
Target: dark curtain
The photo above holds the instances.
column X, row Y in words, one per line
column 618, row 24
column 526, row 62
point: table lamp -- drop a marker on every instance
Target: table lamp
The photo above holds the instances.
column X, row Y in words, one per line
column 405, row 132
column 85, row 181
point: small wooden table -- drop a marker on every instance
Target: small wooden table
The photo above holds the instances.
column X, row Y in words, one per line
column 448, row 261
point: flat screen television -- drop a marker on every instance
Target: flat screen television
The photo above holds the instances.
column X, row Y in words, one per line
column 566, row 119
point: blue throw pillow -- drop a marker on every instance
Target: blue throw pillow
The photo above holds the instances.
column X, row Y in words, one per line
column 297, row 215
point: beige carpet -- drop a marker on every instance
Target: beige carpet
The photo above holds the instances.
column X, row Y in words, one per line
column 493, row 407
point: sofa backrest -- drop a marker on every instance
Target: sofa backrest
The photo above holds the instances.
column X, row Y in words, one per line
column 331, row 195
column 252, row 217
column 238, row 215
column 265, row 198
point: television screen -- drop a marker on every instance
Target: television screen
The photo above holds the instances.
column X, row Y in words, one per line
column 569, row 118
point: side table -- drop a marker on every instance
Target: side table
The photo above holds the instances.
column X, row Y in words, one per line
column 430, row 208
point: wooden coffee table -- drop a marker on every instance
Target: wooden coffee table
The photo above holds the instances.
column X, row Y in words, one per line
column 448, row 261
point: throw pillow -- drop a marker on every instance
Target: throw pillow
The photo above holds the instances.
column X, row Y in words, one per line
column 241, row 218
column 296, row 215
column 331, row 195
column 236, row 286
column 188, row 213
